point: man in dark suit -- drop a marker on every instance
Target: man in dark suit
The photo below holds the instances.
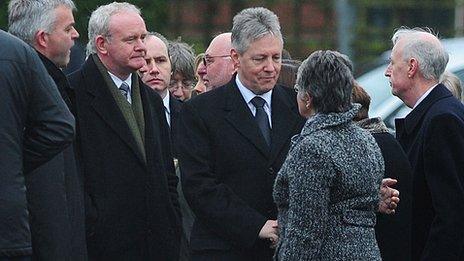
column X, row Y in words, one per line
column 36, row 126
column 432, row 136
column 228, row 162
column 156, row 74
column 125, row 157
column 54, row 192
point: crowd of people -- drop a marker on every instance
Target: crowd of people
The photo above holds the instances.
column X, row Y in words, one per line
column 150, row 152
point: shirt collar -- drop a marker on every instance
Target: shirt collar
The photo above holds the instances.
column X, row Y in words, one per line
column 248, row 95
column 166, row 100
column 118, row 81
column 423, row 96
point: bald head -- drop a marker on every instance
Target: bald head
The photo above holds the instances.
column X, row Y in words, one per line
column 220, row 44
column 219, row 65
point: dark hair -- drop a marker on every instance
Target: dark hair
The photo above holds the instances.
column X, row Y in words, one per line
column 288, row 72
column 359, row 95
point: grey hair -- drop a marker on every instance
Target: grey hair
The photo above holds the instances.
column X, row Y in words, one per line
column 182, row 59
column 100, row 19
column 251, row 24
column 432, row 57
column 328, row 81
column 453, row 83
column 27, row 17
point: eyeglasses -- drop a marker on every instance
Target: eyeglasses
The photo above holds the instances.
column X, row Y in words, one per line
column 185, row 84
column 209, row 59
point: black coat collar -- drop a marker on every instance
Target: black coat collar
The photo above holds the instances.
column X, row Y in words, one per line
column 412, row 120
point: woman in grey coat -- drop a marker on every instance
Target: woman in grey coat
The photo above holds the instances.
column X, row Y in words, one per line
column 327, row 191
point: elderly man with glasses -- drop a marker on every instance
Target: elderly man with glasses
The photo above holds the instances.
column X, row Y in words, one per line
column 219, row 65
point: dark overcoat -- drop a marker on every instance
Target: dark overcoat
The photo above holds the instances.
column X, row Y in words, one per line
column 55, row 198
column 432, row 136
column 393, row 232
column 131, row 204
column 35, row 125
column 228, row 171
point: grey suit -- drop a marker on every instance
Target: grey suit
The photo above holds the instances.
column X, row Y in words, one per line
column 327, row 192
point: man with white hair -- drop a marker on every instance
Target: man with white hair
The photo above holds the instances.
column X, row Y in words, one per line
column 432, row 136
column 54, row 192
column 218, row 62
column 125, row 157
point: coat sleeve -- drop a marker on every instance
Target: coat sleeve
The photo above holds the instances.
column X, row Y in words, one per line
column 50, row 124
column 443, row 167
column 309, row 195
column 214, row 204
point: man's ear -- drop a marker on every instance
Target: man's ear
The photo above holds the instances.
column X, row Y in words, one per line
column 235, row 55
column 413, row 67
column 101, row 44
column 41, row 39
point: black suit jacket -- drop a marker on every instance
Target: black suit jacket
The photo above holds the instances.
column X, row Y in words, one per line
column 131, row 205
column 55, row 198
column 432, row 136
column 175, row 106
column 227, row 169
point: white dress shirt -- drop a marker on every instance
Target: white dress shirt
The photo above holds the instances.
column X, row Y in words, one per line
column 167, row 110
column 423, row 97
column 118, row 83
column 249, row 95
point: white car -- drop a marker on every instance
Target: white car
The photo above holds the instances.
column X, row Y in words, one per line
column 389, row 107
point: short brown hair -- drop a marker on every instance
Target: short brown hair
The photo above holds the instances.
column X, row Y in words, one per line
column 359, row 95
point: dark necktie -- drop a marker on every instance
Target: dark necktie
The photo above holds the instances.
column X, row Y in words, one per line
column 262, row 119
column 124, row 89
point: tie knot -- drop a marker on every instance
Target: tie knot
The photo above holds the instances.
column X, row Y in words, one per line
column 124, row 87
column 258, row 102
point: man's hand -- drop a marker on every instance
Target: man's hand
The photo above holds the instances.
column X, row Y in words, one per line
column 270, row 231
column 389, row 197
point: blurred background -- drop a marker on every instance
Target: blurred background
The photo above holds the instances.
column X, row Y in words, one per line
column 358, row 28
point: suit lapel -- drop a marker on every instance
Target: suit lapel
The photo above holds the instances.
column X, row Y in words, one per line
column 240, row 117
column 284, row 121
column 104, row 105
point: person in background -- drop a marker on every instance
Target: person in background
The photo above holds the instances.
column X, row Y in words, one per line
column 287, row 76
column 219, row 65
column 200, row 72
column 327, row 191
column 36, row 126
column 393, row 232
column 131, row 205
column 432, row 136
column 452, row 83
column 183, row 72
column 54, row 190
column 157, row 75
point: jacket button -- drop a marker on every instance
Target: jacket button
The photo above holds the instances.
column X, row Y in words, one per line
column 270, row 171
